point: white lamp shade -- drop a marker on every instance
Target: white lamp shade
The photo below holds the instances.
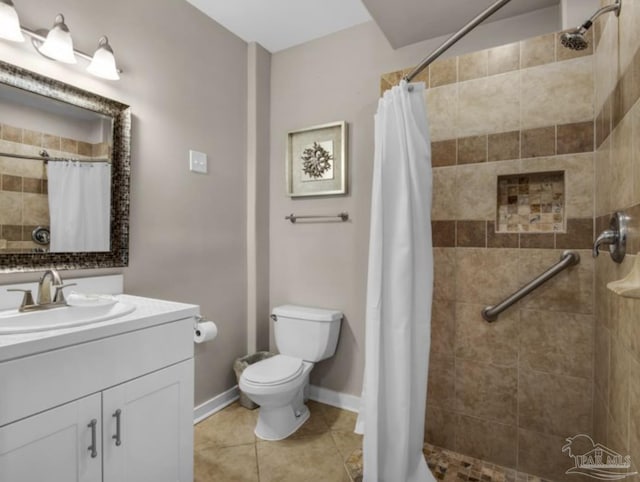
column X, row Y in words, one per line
column 59, row 44
column 103, row 63
column 9, row 22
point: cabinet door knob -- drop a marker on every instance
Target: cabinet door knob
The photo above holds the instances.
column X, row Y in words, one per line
column 93, row 447
column 118, row 416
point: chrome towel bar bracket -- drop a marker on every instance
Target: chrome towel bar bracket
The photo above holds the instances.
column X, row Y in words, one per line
column 568, row 259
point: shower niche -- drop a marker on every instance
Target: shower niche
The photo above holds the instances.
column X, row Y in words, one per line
column 531, row 203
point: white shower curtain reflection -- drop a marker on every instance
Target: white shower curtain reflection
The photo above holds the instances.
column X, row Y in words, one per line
column 399, row 292
column 79, row 205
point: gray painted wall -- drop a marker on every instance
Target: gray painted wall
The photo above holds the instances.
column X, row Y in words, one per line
column 258, row 113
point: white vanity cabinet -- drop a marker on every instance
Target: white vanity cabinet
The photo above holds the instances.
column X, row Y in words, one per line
column 112, row 409
column 155, row 431
column 53, row 445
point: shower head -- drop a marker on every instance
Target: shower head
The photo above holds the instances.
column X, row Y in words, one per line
column 575, row 39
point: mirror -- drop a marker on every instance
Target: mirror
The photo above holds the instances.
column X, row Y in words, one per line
column 64, row 175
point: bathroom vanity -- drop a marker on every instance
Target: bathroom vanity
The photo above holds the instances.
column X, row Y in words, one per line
column 108, row 401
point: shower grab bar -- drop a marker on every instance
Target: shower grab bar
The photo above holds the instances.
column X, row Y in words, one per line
column 455, row 37
column 568, row 259
column 344, row 216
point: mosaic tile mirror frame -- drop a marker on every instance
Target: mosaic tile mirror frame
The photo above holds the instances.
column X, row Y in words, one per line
column 120, row 158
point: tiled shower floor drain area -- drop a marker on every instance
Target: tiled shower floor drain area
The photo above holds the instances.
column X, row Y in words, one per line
column 450, row 466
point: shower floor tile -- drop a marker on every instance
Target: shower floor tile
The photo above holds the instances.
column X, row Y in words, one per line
column 448, row 466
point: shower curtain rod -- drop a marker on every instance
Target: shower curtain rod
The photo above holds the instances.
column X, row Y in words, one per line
column 455, row 37
column 44, row 156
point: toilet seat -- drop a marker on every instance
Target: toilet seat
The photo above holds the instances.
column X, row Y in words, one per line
column 276, row 370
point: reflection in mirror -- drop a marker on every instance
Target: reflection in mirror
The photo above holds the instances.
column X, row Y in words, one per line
column 56, row 175
column 64, row 175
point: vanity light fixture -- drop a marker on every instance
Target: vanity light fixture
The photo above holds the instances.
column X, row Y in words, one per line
column 103, row 63
column 57, row 44
column 9, row 22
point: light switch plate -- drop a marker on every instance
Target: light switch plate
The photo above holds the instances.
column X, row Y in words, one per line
column 198, row 162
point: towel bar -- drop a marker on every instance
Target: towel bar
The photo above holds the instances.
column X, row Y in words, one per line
column 344, row 216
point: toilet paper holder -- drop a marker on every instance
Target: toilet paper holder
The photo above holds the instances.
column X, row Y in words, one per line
column 196, row 320
column 204, row 330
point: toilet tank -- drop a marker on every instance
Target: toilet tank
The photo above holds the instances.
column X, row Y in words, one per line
column 307, row 333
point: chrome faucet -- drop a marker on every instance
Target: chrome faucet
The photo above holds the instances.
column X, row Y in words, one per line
column 48, row 286
column 50, row 293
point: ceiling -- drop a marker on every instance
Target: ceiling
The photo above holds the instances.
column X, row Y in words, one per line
column 405, row 22
column 280, row 24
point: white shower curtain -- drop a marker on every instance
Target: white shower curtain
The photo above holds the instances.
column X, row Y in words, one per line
column 399, row 292
column 79, row 205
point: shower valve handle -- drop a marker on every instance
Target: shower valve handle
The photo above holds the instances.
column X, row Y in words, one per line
column 607, row 237
column 615, row 237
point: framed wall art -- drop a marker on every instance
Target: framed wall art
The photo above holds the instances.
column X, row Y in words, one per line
column 317, row 160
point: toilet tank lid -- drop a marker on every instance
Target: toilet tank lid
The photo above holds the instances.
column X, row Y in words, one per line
column 307, row 313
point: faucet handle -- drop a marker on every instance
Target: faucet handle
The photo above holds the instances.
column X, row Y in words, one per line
column 615, row 237
column 27, row 299
column 607, row 237
column 58, row 294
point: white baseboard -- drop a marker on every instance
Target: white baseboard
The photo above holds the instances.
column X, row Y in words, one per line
column 216, row 404
column 335, row 399
column 318, row 394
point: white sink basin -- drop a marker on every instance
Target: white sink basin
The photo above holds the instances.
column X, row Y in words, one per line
column 13, row 322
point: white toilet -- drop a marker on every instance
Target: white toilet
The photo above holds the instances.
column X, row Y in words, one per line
column 303, row 336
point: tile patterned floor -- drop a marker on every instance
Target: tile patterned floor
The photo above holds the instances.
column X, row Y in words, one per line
column 324, row 449
column 226, row 449
column 449, row 466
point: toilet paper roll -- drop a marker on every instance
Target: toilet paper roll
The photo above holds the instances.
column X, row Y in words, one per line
column 205, row 331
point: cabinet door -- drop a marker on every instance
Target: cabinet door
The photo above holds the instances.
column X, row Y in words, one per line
column 154, row 427
column 61, row 444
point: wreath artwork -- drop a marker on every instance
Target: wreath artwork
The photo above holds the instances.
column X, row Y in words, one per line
column 316, row 160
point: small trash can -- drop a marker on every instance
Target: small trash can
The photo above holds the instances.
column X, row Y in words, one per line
column 239, row 366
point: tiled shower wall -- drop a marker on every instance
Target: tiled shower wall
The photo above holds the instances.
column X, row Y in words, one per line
column 617, row 174
column 512, row 391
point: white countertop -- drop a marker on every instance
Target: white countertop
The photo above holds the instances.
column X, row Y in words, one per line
column 149, row 312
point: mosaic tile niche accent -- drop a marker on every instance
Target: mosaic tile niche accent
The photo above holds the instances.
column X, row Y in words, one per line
column 532, row 202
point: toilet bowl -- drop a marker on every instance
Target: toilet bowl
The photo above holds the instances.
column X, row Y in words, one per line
column 278, row 387
column 278, row 384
